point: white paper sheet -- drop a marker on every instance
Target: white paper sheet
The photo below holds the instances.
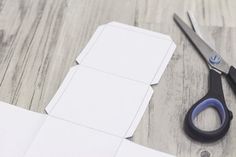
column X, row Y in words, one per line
column 59, row 138
column 101, row 101
column 17, row 130
column 28, row 134
column 123, row 61
column 168, row 55
column 130, row 149
column 129, row 52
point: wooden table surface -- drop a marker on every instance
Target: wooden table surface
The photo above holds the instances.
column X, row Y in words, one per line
column 40, row 39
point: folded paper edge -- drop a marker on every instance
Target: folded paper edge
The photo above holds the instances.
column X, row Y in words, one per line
column 139, row 114
column 49, row 108
column 138, row 29
column 93, row 39
column 164, row 64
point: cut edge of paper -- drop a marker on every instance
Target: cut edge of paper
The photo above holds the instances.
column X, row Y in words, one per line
column 60, row 91
column 164, row 64
column 91, row 42
column 138, row 29
column 139, row 114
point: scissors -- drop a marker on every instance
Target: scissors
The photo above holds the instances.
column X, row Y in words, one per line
column 215, row 96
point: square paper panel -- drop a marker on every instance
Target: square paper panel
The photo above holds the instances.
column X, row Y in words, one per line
column 129, row 52
column 101, row 101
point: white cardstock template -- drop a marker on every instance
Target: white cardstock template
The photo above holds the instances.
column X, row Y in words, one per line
column 100, row 102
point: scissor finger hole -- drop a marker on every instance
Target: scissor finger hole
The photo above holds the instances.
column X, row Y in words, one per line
column 208, row 115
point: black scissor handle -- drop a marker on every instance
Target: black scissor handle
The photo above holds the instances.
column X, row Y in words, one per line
column 215, row 99
column 231, row 78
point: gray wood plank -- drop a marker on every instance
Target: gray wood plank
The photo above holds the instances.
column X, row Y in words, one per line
column 40, row 40
column 208, row 12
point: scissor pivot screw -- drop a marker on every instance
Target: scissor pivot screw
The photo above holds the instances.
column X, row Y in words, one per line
column 215, row 59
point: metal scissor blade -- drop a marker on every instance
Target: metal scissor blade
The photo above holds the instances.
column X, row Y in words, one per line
column 197, row 30
column 205, row 50
column 194, row 23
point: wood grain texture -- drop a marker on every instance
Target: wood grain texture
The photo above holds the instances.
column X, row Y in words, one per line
column 40, row 39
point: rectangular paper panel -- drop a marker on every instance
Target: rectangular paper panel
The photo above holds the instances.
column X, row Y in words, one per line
column 59, row 138
column 129, row 52
column 101, row 101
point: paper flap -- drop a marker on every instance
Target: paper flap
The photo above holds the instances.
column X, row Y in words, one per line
column 164, row 64
column 60, row 91
column 101, row 101
column 139, row 114
column 128, row 51
column 91, row 42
